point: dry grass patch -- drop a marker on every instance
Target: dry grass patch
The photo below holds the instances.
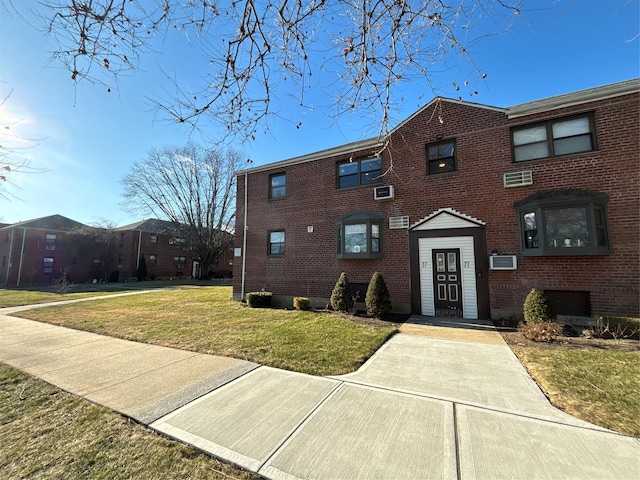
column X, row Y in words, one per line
column 593, row 379
column 47, row 433
column 206, row 320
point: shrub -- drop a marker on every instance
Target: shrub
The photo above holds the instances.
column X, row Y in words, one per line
column 542, row 331
column 259, row 299
column 341, row 299
column 538, row 308
column 141, row 273
column 377, row 300
column 301, row 303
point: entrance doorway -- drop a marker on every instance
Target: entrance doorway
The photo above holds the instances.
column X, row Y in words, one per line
column 447, row 283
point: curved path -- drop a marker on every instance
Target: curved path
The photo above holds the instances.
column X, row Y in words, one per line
column 439, row 400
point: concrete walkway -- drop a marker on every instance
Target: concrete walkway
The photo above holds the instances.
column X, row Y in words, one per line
column 438, row 401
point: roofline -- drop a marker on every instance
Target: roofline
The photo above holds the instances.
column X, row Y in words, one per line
column 575, row 98
column 310, row 157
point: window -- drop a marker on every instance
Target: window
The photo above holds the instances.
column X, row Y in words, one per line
column 359, row 235
column 276, row 243
column 278, row 186
column 441, row 157
column 154, row 238
column 363, row 171
column 47, row 265
column 153, row 259
column 95, row 263
column 179, row 262
column 554, row 137
column 563, row 222
column 121, row 244
column 50, row 241
column 120, row 260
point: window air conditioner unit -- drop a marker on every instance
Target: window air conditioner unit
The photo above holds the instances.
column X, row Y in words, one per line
column 503, row 262
column 383, row 193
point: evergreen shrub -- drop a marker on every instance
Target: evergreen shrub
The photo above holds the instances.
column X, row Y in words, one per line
column 377, row 300
column 301, row 303
column 259, row 299
column 341, row 297
column 538, row 308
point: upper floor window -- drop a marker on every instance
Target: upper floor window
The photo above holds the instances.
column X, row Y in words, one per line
column 441, row 157
column 50, row 241
column 154, row 238
column 563, row 222
column 47, row 265
column 121, row 244
column 554, row 137
column 276, row 243
column 278, row 185
column 359, row 235
column 363, row 171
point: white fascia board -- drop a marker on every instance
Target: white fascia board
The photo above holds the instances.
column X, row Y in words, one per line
column 310, row 157
column 575, row 98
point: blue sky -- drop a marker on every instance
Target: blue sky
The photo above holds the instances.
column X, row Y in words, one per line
column 87, row 138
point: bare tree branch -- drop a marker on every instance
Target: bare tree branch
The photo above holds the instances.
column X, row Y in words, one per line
column 255, row 50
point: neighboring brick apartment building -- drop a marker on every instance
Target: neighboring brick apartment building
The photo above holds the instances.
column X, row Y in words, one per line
column 50, row 245
column 463, row 208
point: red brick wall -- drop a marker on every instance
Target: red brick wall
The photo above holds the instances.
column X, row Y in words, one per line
column 310, row 267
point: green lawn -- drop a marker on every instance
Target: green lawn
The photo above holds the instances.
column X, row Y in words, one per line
column 46, row 433
column 206, row 320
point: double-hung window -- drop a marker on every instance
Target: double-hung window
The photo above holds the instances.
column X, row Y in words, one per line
column 47, row 265
column 563, row 222
column 179, row 261
column 276, row 243
column 441, row 157
column 553, row 138
column 278, row 185
column 359, row 235
column 363, row 171
column 50, row 241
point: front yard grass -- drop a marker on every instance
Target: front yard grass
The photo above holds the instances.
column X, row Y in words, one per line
column 206, row 320
column 596, row 380
column 47, row 433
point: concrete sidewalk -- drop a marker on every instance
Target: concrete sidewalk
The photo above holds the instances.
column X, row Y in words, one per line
column 421, row 407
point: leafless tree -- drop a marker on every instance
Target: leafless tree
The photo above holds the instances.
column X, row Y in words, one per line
column 13, row 152
column 255, row 52
column 195, row 189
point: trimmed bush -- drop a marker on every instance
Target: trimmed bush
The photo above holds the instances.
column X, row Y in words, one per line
column 259, row 299
column 538, row 308
column 301, row 303
column 378, row 301
column 341, row 299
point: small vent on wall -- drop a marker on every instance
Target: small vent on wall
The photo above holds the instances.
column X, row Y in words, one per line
column 399, row 222
column 518, row 179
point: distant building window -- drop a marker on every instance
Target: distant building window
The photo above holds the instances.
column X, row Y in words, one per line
column 553, row 138
column 276, row 243
column 47, row 265
column 176, row 241
column 154, row 238
column 50, row 241
column 359, row 235
column 121, row 239
column 153, row 259
column 363, row 171
column 179, row 262
column 441, row 157
column 278, row 186
column 95, row 263
column 564, row 222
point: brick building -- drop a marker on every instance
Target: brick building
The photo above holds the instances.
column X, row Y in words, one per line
column 463, row 208
column 37, row 251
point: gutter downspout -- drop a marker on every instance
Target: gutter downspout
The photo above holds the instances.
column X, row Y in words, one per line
column 6, row 279
column 139, row 242
column 24, row 234
column 244, row 238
